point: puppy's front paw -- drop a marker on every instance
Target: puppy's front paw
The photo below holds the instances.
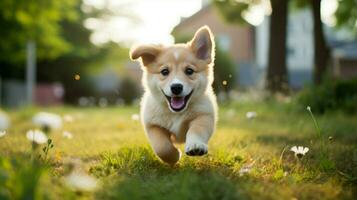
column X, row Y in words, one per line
column 196, row 148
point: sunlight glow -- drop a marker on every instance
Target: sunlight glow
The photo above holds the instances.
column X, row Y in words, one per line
column 147, row 22
column 328, row 9
column 256, row 12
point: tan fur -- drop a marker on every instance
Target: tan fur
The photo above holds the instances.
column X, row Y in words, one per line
column 193, row 125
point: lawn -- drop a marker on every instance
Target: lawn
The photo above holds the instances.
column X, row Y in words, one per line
column 247, row 159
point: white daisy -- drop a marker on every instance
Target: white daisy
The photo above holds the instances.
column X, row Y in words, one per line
column 2, row 133
column 4, row 121
column 135, row 117
column 81, row 182
column 245, row 169
column 36, row 136
column 67, row 134
column 47, row 120
column 251, row 115
column 299, row 151
column 308, row 108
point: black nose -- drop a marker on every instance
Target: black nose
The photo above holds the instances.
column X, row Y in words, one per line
column 176, row 88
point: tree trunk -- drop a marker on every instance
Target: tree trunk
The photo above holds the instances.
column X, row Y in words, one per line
column 321, row 50
column 277, row 77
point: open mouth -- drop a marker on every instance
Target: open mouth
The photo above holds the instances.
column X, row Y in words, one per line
column 178, row 103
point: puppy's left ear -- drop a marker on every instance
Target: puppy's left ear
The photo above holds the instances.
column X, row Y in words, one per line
column 203, row 44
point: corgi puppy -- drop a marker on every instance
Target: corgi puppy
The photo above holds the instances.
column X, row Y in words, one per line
column 178, row 103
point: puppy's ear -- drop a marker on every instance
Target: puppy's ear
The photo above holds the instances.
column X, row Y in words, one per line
column 147, row 53
column 203, row 44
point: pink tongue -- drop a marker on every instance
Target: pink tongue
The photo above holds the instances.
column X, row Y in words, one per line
column 177, row 102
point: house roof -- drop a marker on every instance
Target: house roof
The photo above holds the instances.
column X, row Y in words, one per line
column 186, row 20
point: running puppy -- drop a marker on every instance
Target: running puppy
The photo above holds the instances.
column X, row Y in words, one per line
column 178, row 104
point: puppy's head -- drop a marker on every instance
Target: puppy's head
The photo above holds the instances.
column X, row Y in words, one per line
column 179, row 73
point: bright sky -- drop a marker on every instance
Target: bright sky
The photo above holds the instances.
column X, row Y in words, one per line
column 328, row 8
column 151, row 21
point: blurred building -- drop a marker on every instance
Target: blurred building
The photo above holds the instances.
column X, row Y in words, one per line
column 237, row 41
column 107, row 80
column 344, row 59
column 13, row 93
column 248, row 46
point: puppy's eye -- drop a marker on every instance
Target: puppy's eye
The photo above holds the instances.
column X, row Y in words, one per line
column 165, row 72
column 189, row 71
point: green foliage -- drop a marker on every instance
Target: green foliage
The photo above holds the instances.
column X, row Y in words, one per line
column 224, row 70
column 20, row 179
column 132, row 171
column 129, row 90
column 325, row 162
column 231, row 10
column 346, row 14
column 181, row 185
column 37, row 20
column 145, row 177
column 84, row 59
column 224, row 67
column 46, row 149
column 279, row 174
column 296, row 5
column 330, row 95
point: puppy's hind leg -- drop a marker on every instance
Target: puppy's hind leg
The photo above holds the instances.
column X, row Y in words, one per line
column 162, row 145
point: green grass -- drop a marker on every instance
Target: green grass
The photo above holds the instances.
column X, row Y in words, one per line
column 114, row 149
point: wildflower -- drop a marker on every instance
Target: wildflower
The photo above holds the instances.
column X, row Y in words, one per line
column 2, row 133
column 67, row 134
column 251, row 115
column 308, row 108
column 47, row 120
column 135, row 117
column 246, row 168
column 36, row 136
column 81, row 182
column 299, row 151
column 4, row 121
column 330, row 138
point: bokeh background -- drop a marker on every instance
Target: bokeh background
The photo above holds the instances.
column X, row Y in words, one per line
column 76, row 52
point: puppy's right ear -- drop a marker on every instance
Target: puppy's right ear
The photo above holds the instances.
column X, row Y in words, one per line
column 147, row 53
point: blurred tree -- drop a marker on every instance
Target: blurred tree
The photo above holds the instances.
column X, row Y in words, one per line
column 129, row 90
column 64, row 51
column 224, row 67
column 277, row 70
column 36, row 20
column 277, row 76
column 83, row 59
column 321, row 50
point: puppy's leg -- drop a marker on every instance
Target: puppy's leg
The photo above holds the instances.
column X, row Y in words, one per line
column 199, row 132
column 162, row 145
